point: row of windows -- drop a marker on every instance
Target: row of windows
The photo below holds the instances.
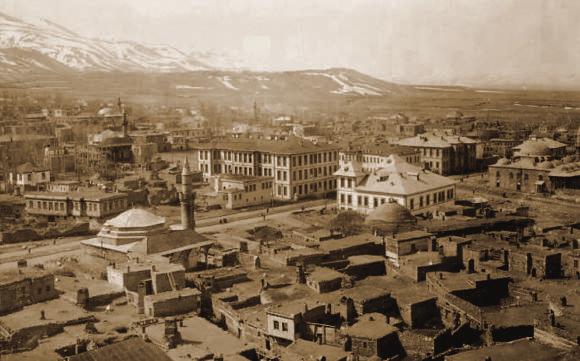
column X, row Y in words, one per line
column 361, row 200
column 91, row 206
column 47, row 205
column 313, row 172
column 365, row 201
column 28, row 176
column 284, row 326
column 437, row 197
column 304, row 189
column 283, row 161
column 281, row 175
column 519, row 176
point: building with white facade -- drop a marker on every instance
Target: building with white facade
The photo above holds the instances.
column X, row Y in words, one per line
column 419, row 190
column 239, row 191
column 299, row 168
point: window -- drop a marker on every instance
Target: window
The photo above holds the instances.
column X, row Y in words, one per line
column 412, row 203
column 276, row 325
column 284, row 326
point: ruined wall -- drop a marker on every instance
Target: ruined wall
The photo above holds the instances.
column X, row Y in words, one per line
column 172, row 306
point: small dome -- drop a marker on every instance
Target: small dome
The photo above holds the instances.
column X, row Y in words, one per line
column 391, row 217
column 135, row 218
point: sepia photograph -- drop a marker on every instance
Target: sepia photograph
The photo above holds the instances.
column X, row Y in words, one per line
column 289, row 180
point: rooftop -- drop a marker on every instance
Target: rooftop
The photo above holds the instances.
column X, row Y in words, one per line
column 435, row 141
column 371, row 326
column 170, row 295
column 511, row 351
column 321, row 274
column 131, row 349
column 292, row 145
column 399, row 177
column 135, row 218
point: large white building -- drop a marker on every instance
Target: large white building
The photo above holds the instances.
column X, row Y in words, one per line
column 299, row 168
column 419, row 190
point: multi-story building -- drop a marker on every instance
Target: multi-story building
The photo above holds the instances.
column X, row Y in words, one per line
column 501, row 147
column 375, row 156
column 411, row 129
column 299, row 168
column 60, row 159
column 88, row 203
column 419, row 190
column 444, row 154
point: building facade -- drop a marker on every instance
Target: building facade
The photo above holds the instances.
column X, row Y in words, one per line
column 299, row 168
column 90, row 204
column 238, row 191
column 444, row 154
column 421, row 191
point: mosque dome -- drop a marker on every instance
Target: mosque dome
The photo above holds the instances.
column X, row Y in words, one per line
column 533, row 148
column 391, row 217
column 136, row 218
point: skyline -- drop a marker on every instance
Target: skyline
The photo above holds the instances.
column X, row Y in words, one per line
column 488, row 43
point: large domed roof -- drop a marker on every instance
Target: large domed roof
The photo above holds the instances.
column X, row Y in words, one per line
column 390, row 217
column 533, row 148
column 135, row 218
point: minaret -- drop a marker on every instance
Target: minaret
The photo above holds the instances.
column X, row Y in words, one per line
column 187, row 198
column 125, row 122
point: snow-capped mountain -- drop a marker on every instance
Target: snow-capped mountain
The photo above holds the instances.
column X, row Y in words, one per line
column 42, row 45
column 39, row 53
column 328, row 82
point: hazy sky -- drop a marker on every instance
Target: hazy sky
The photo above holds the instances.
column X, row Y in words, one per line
column 412, row 41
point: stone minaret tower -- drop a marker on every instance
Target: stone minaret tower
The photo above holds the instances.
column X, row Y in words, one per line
column 187, row 198
column 125, row 123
